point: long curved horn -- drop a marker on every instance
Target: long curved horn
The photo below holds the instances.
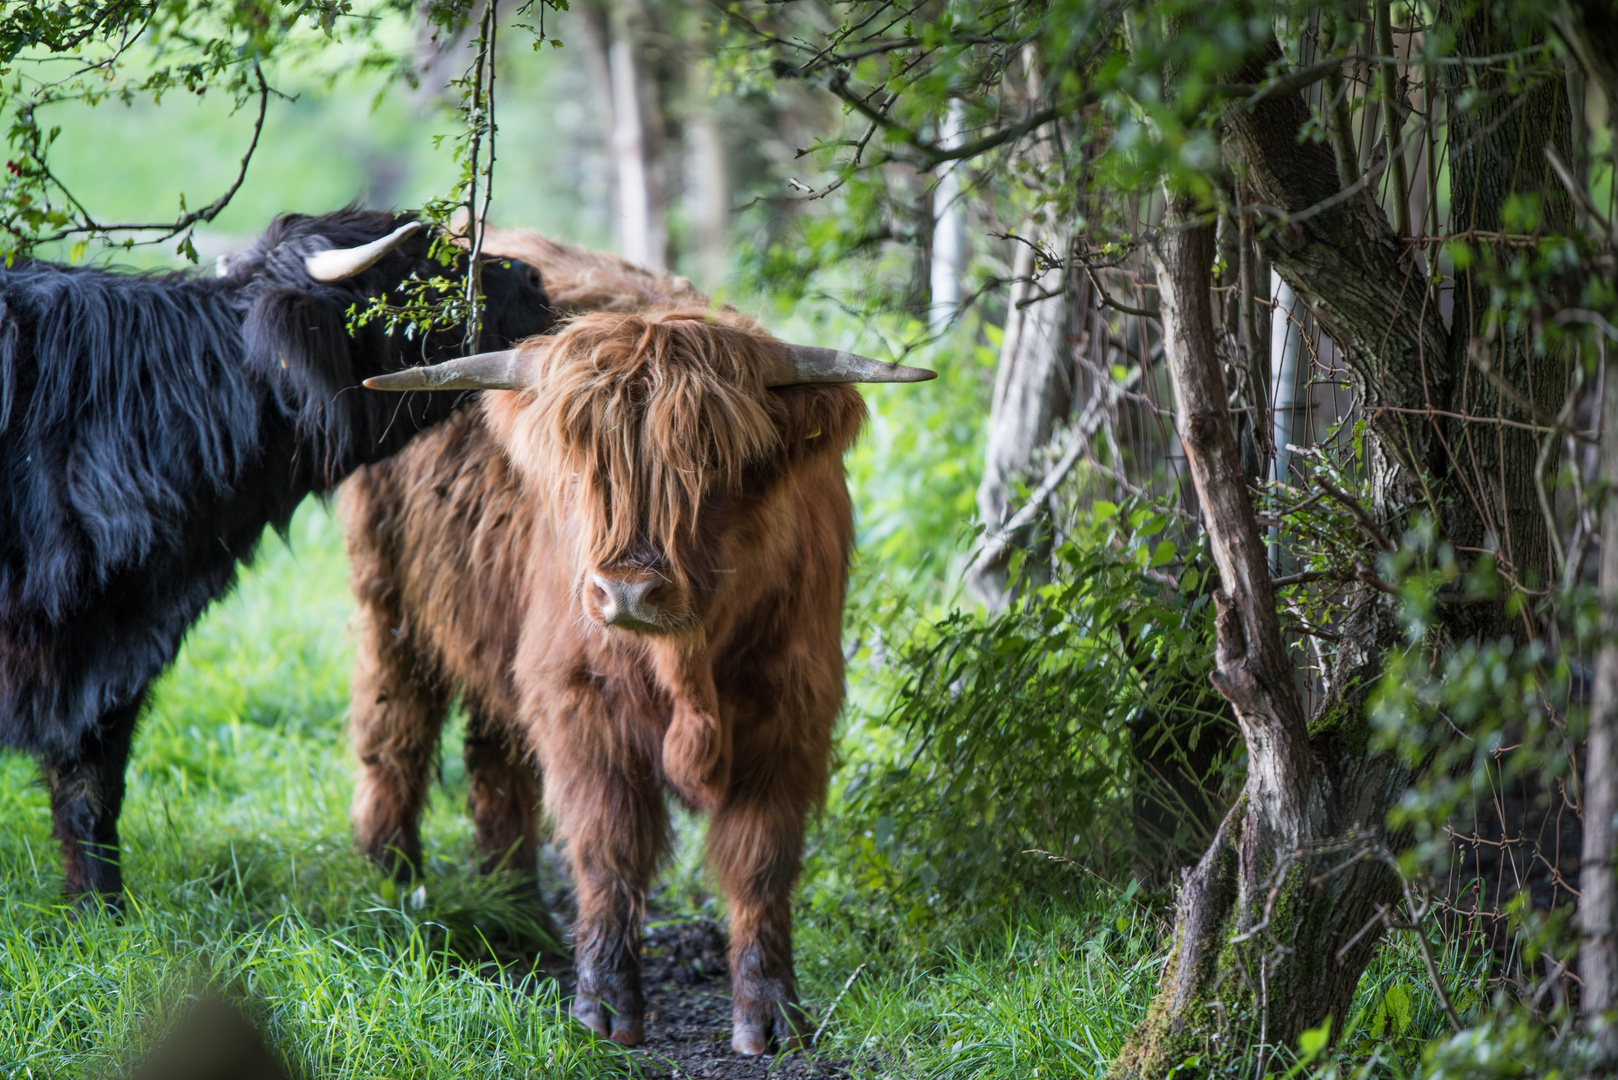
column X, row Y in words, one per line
column 339, row 263
column 509, row 369
column 808, row 364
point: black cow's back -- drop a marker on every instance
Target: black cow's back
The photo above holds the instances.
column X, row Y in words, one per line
column 151, row 426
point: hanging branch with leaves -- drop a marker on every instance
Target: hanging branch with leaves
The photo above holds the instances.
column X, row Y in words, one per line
column 54, row 54
column 421, row 304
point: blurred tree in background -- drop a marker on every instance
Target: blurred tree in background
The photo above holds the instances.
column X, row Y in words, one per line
column 1271, row 440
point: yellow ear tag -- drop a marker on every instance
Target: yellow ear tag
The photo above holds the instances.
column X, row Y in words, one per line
column 814, row 435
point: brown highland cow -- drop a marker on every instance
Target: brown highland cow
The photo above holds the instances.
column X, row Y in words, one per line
column 629, row 558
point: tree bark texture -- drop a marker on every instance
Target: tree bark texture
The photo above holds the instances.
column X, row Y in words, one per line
column 1033, row 389
column 1357, row 277
column 1267, row 937
column 1598, row 883
column 1497, row 150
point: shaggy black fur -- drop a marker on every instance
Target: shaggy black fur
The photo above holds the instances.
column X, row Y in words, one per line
column 151, row 426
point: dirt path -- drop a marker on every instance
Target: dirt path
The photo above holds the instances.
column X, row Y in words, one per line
column 688, row 1012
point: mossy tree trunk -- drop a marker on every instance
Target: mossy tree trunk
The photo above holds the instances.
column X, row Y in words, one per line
column 1269, row 936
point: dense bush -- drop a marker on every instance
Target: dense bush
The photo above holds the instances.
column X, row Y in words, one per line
column 1009, row 744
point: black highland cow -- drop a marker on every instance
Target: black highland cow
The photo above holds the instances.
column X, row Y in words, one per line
column 151, row 426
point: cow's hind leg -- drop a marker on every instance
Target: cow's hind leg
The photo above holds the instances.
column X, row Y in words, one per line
column 502, row 797
column 755, row 844
column 87, row 792
column 616, row 828
column 396, row 711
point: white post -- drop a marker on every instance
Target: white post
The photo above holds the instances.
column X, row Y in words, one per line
column 1286, row 343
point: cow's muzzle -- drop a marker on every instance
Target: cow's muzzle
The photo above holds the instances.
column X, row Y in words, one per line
column 632, row 603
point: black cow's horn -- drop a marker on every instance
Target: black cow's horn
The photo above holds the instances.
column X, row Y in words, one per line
column 808, row 364
column 339, row 263
column 509, row 369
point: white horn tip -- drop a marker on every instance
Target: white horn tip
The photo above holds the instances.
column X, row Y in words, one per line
column 337, row 264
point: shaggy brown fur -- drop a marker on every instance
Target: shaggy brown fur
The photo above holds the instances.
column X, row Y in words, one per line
column 651, row 457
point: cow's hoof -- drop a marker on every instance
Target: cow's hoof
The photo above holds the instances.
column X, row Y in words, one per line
column 620, row 1027
column 779, row 1025
column 749, row 1042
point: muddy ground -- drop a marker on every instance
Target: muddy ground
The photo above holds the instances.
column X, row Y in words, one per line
column 688, row 1011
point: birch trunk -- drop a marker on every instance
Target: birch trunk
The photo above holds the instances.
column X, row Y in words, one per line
column 1286, row 345
column 709, row 197
column 1033, row 388
column 640, row 218
column 949, row 240
column 597, row 36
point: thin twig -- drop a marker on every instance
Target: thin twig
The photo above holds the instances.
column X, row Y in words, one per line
column 832, row 1008
column 1104, row 298
column 1577, row 190
column 1361, row 515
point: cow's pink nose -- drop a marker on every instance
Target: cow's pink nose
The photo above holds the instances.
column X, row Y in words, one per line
column 625, row 603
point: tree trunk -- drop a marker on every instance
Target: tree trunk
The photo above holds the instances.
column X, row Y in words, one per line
column 640, row 218
column 1276, row 923
column 949, row 233
column 1590, row 29
column 597, row 35
column 1362, row 284
column 1265, row 943
column 709, row 199
column 1598, row 884
column 1033, row 388
column 1286, row 346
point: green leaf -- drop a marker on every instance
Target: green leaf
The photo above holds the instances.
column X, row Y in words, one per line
column 1397, row 1002
column 1313, row 1041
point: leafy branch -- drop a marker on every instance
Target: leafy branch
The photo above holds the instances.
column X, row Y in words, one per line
column 192, row 45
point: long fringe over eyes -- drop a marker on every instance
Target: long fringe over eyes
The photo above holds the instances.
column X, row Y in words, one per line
column 651, row 411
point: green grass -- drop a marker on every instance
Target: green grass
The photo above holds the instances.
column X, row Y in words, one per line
column 1054, row 993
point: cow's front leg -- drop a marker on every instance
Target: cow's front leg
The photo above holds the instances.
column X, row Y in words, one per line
column 87, row 792
column 616, row 828
column 754, row 846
